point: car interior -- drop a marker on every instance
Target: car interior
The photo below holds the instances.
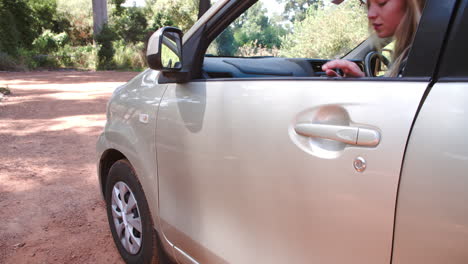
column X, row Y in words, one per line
column 225, row 67
column 258, row 67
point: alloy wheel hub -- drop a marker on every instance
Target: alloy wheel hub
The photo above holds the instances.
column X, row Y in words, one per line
column 126, row 216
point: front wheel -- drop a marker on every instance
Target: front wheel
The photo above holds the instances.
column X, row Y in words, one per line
column 129, row 216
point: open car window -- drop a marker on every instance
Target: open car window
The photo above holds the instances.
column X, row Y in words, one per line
column 287, row 39
column 314, row 29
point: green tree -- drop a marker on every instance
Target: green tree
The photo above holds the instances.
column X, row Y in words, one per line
column 177, row 13
column 46, row 16
column 118, row 8
column 252, row 30
column 79, row 13
column 16, row 26
column 327, row 32
column 10, row 35
column 254, row 27
column 159, row 20
column 295, row 10
column 131, row 25
column 106, row 49
column 224, row 44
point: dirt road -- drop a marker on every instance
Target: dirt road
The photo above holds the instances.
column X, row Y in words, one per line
column 50, row 207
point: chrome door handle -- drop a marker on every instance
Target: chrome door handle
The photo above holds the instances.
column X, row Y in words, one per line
column 346, row 134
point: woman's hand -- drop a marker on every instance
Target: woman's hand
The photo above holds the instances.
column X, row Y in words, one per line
column 349, row 68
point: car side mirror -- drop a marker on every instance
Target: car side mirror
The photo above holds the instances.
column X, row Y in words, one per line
column 164, row 51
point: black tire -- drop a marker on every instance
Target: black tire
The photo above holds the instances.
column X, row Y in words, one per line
column 122, row 171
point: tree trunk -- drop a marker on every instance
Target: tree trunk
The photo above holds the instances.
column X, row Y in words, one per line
column 99, row 15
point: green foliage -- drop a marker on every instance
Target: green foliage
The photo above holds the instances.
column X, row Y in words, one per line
column 58, row 33
column 8, row 63
column 296, row 10
column 178, row 13
column 32, row 60
column 16, row 26
column 79, row 14
column 254, row 25
column 131, row 25
column 10, row 39
column 48, row 42
column 118, row 8
column 129, row 56
column 79, row 57
column 224, row 44
column 46, row 16
column 256, row 50
column 328, row 32
column 159, row 20
column 252, row 30
column 106, row 48
column 22, row 21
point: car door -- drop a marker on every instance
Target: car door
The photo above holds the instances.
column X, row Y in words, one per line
column 284, row 170
column 431, row 223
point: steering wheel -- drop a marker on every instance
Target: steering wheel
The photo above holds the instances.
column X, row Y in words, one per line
column 372, row 63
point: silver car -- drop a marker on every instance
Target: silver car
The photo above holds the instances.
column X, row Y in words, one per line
column 217, row 159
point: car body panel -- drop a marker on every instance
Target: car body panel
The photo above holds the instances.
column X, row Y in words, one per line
column 134, row 138
column 432, row 217
column 238, row 183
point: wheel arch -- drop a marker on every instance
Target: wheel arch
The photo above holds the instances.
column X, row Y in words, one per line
column 108, row 158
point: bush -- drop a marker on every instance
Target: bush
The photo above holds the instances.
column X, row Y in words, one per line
column 131, row 25
column 80, row 57
column 129, row 56
column 254, row 49
column 106, row 49
column 49, row 42
column 31, row 60
column 46, row 16
column 79, row 14
column 16, row 26
column 8, row 63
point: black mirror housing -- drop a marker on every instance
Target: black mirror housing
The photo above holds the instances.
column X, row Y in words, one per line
column 164, row 52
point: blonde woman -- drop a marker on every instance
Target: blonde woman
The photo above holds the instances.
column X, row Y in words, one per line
column 387, row 18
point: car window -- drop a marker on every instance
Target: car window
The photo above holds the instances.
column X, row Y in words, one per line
column 314, row 29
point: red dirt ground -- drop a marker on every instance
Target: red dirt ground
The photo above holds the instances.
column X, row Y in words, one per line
column 51, row 210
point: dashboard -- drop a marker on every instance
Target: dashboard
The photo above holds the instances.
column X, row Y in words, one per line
column 232, row 67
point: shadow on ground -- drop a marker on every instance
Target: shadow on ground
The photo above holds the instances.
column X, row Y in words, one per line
column 52, row 210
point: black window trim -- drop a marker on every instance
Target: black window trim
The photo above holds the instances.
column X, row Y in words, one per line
column 430, row 38
column 453, row 67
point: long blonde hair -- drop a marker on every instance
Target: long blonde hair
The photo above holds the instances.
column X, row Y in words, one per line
column 404, row 34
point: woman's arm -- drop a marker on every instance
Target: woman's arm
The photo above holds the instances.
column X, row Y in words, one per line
column 349, row 68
